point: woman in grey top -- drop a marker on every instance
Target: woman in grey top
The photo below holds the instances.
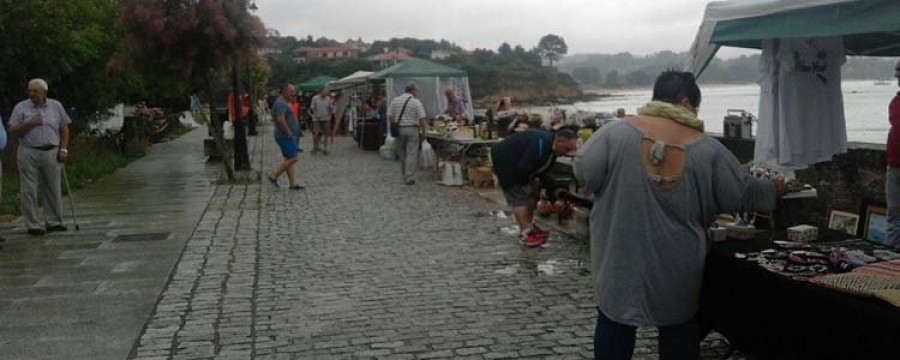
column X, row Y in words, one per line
column 658, row 183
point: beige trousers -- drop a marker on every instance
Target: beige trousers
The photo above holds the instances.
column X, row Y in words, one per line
column 39, row 167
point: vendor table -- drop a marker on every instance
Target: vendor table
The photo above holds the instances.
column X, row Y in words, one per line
column 460, row 147
column 770, row 316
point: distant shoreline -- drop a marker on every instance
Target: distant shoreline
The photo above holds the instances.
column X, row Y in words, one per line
column 586, row 96
column 608, row 91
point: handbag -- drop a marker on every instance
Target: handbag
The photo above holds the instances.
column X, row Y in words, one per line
column 389, row 150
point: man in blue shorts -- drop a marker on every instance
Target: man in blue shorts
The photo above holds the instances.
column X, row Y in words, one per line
column 287, row 129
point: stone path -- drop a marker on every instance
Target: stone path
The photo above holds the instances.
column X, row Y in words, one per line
column 363, row 267
column 357, row 267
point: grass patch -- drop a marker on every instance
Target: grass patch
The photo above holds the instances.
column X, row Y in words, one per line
column 91, row 158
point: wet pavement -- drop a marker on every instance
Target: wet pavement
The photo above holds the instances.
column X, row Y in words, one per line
column 359, row 266
column 85, row 295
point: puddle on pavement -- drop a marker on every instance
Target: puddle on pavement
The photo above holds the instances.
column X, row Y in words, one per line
column 551, row 267
column 493, row 214
column 509, row 270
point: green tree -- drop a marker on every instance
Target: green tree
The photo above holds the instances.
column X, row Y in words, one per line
column 588, row 75
column 186, row 40
column 612, row 79
column 67, row 43
column 552, row 48
column 638, row 78
column 505, row 49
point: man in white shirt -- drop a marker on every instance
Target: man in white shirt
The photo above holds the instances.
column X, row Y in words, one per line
column 407, row 111
column 42, row 126
column 320, row 110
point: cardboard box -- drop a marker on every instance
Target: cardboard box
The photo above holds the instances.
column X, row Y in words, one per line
column 718, row 234
column 803, row 233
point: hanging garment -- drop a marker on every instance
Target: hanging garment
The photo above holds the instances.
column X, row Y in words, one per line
column 801, row 108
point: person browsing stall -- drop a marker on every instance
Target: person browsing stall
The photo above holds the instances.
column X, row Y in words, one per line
column 455, row 107
column 518, row 161
column 658, row 183
column 42, row 126
column 408, row 113
column 892, row 179
column 321, row 109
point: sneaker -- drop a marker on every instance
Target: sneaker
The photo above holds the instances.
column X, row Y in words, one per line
column 538, row 231
column 533, row 240
column 274, row 181
column 55, row 228
column 296, row 188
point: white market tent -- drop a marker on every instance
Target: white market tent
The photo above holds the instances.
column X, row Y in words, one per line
column 432, row 79
column 358, row 78
column 866, row 28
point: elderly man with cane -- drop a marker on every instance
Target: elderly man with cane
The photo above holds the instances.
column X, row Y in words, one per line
column 42, row 126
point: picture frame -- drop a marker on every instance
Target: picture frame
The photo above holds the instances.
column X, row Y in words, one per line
column 876, row 224
column 844, row 222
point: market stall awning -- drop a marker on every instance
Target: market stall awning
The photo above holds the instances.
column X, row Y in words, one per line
column 316, row 84
column 417, row 68
column 354, row 79
column 868, row 27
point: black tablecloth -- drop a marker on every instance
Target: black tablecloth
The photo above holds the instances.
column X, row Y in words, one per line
column 770, row 316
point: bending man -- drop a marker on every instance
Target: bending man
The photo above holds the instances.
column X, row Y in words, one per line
column 518, row 161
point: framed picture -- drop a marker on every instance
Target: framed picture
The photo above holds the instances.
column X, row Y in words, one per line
column 876, row 225
column 843, row 221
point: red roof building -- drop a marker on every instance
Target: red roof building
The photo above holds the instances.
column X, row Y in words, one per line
column 329, row 53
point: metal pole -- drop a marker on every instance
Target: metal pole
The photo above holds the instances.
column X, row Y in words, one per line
column 241, row 155
column 254, row 118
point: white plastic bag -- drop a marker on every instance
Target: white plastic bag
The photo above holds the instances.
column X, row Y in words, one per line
column 427, row 157
column 451, row 172
column 389, row 150
column 228, row 130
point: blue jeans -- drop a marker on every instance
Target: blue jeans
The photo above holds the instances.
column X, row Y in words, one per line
column 614, row 341
column 892, row 195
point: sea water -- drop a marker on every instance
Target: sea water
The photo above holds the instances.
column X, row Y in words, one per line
column 865, row 106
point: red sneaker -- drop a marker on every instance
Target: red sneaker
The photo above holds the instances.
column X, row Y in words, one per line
column 538, row 231
column 533, row 240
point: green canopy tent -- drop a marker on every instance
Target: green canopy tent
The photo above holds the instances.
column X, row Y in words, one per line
column 863, row 27
column 868, row 27
column 432, row 79
column 316, row 84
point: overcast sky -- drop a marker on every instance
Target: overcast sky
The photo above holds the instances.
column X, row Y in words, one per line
column 588, row 26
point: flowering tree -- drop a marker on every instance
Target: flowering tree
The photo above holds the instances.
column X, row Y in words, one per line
column 187, row 41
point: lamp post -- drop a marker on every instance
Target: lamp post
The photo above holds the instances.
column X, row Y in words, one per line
column 241, row 154
column 254, row 119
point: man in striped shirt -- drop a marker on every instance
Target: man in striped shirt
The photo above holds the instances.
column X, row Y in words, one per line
column 408, row 113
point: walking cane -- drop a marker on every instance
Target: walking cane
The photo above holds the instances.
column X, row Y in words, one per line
column 71, row 202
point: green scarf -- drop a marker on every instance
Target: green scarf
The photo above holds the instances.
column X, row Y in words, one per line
column 677, row 113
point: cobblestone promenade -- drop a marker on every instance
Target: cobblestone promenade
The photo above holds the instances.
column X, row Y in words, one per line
column 363, row 267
